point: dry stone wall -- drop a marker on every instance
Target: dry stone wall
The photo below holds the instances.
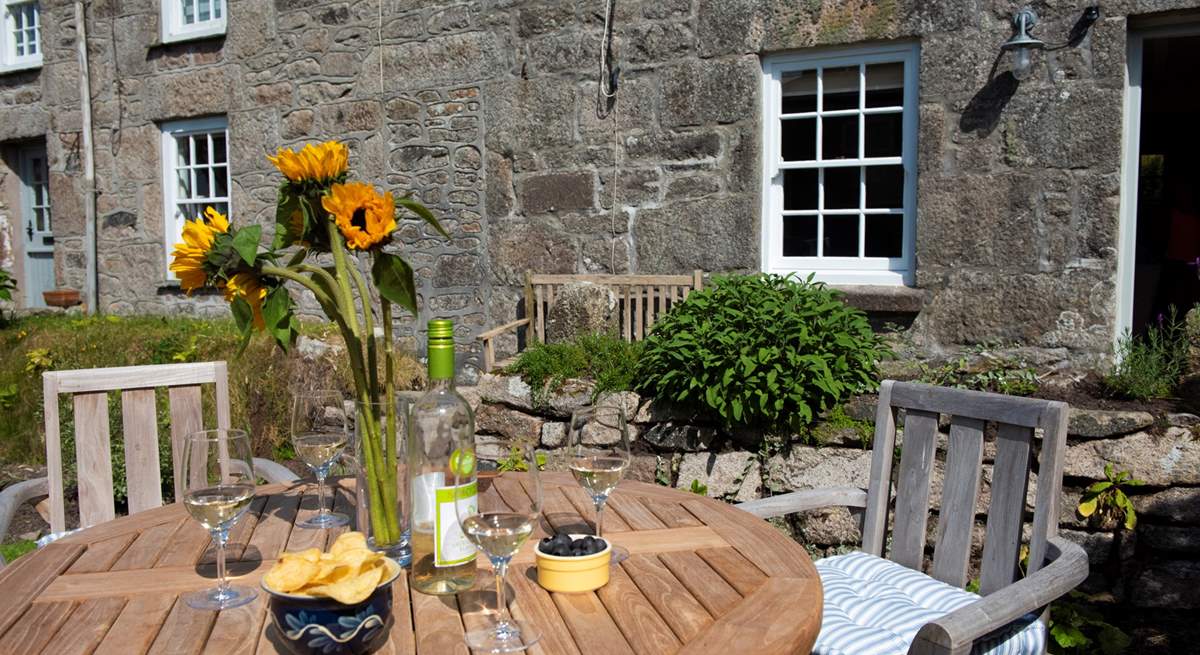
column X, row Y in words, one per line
column 1153, row 566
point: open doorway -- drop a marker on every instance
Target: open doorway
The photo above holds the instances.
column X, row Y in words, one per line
column 1166, row 248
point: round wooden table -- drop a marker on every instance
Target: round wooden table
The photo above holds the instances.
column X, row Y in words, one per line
column 702, row 577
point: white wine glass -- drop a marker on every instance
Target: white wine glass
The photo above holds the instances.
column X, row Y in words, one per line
column 218, row 485
column 498, row 528
column 598, row 437
column 319, row 435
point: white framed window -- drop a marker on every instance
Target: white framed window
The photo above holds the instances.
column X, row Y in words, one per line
column 20, row 39
column 839, row 164
column 182, row 20
column 195, row 173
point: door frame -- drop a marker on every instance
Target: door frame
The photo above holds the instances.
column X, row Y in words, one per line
column 1131, row 145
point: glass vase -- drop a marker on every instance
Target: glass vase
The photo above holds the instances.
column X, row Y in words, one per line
column 381, row 507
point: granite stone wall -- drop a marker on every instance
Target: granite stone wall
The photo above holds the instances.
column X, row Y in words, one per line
column 487, row 110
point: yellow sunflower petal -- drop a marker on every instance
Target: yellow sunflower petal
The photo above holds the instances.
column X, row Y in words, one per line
column 363, row 216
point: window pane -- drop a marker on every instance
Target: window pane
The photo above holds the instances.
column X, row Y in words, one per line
column 839, row 137
column 799, row 92
column 885, row 235
column 31, row 39
column 202, row 182
column 219, row 153
column 841, row 236
column 885, row 187
column 885, row 85
column 185, row 185
column 884, row 134
column 798, row 139
column 221, row 181
column 841, row 188
column 800, row 189
column 191, row 212
column 201, row 141
column 39, row 220
column 205, row 10
column 840, row 87
column 222, row 207
column 217, row 8
column 189, row 12
column 800, row 236
column 183, row 151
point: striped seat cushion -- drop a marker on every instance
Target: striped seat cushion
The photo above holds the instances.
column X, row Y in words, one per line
column 874, row 606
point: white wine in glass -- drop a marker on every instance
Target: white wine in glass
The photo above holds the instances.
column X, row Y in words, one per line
column 218, row 485
column 498, row 531
column 319, row 435
column 599, row 454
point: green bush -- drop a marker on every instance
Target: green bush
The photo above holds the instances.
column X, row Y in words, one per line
column 260, row 380
column 607, row 359
column 1151, row 365
column 762, row 351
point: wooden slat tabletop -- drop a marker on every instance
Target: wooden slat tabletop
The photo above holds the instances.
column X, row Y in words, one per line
column 703, row 577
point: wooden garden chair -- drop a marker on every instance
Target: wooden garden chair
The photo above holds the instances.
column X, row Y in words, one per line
column 643, row 299
column 893, row 593
column 89, row 389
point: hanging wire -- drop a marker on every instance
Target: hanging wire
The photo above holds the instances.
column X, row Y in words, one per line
column 606, row 107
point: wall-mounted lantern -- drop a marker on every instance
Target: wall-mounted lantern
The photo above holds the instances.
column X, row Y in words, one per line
column 1021, row 43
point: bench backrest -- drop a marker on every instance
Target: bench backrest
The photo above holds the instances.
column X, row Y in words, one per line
column 642, row 298
column 1017, row 453
column 139, row 418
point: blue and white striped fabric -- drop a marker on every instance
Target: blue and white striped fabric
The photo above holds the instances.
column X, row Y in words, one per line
column 874, row 606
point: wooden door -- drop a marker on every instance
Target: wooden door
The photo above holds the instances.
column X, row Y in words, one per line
column 35, row 225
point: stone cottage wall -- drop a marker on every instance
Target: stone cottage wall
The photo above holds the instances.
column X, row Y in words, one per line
column 486, row 109
column 1153, row 566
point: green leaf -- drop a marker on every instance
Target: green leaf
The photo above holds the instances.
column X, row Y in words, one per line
column 297, row 258
column 422, row 211
column 277, row 314
column 1088, row 507
column 243, row 318
column 286, row 205
column 1098, row 487
column 394, row 279
column 245, row 242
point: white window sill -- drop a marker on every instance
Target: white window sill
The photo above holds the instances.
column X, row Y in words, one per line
column 193, row 35
column 18, row 67
column 849, row 278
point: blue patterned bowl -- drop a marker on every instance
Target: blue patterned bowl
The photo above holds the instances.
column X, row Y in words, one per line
column 323, row 626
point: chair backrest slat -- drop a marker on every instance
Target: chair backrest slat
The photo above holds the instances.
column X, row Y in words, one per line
column 879, row 491
column 187, row 416
column 626, row 333
column 139, row 427
column 912, row 495
column 960, row 487
column 638, row 303
column 139, row 422
column 650, row 307
column 93, row 459
column 538, row 294
column 1049, row 488
column 1010, row 478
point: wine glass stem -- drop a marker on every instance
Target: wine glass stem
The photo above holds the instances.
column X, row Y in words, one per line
column 320, row 495
column 221, row 536
column 599, row 518
column 502, row 622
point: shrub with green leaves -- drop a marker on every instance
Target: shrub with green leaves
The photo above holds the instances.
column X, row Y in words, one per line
column 763, row 351
column 1150, row 365
column 1107, row 499
column 607, row 359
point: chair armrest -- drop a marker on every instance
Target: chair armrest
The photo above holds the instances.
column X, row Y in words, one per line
column 16, row 495
column 494, row 332
column 804, row 500
column 958, row 630
column 273, row 472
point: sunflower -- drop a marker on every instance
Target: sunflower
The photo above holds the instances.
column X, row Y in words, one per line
column 248, row 287
column 190, row 255
column 364, row 217
column 320, row 163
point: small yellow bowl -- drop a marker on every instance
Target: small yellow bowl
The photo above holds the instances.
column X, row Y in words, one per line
column 573, row 575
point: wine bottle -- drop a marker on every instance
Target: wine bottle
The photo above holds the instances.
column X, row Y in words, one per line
column 443, row 559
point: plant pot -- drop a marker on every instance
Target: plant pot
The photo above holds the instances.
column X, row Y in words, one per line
column 62, row 297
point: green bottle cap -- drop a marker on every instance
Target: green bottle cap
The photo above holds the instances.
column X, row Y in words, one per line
column 440, row 332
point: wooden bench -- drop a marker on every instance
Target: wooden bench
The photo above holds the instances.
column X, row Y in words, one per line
column 641, row 299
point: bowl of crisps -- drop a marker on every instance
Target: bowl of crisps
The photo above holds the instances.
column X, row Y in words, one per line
column 333, row 603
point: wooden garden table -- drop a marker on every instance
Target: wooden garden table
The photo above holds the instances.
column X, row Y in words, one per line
column 702, row 577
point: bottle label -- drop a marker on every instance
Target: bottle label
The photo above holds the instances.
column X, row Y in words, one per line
column 450, row 546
